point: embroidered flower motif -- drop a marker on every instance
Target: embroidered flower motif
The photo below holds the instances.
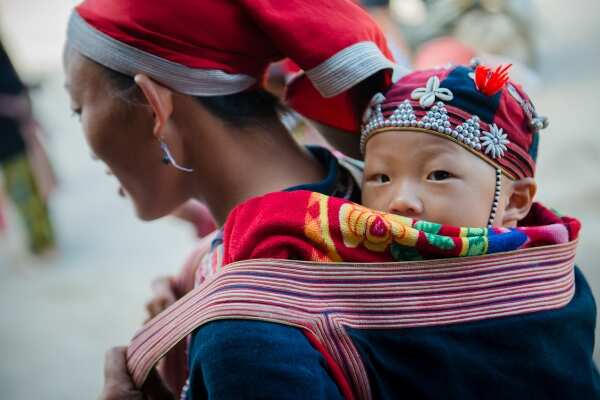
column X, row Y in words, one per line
column 427, row 95
column 494, row 142
column 374, row 230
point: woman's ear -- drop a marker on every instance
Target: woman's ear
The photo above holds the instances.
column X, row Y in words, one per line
column 520, row 199
column 160, row 100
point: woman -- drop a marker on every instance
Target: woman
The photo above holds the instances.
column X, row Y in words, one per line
column 178, row 112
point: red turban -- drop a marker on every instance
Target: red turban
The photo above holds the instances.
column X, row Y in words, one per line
column 220, row 47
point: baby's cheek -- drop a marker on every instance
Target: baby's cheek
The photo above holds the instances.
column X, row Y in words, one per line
column 372, row 199
column 457, row 208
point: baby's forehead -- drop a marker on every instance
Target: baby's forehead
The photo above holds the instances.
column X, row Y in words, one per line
column 416, row 150
column 402, row 143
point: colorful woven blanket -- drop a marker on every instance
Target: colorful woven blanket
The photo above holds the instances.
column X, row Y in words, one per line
column 310, row 226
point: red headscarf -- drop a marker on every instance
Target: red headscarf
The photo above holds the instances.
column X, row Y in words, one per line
column 220, row 47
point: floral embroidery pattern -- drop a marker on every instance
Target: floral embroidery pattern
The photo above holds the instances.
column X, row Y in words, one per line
column 375, row 230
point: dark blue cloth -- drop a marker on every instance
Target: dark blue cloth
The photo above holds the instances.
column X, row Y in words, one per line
column 259, row 360
column 256, row 360
column 543, row 355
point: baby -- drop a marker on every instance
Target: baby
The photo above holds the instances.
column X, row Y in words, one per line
column 475, row 165
column 449, row 172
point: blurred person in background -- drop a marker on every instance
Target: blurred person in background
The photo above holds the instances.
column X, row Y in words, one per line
column 491, row 26
column 27, row 175
column 434, row 33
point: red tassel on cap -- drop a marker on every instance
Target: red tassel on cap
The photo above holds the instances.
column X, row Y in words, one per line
column 491, row 82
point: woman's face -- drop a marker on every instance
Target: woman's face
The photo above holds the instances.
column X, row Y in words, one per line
column 426, row 177
column 120, row 133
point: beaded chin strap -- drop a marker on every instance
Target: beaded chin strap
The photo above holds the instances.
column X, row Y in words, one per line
column 496, row 198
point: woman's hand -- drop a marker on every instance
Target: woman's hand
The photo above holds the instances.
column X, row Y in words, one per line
column 118, row 384
column 163, row 296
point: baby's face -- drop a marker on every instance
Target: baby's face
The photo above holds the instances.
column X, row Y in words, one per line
column 423, row 176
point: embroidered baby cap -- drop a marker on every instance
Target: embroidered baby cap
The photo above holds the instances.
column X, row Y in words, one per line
column 476, row 107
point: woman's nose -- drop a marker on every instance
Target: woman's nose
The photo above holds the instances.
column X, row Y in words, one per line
column 406, row 202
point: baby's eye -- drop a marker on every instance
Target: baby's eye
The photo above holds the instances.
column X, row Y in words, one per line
column 381, row 178
column 439, row 175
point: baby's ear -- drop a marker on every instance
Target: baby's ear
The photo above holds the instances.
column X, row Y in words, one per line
column 520, row 198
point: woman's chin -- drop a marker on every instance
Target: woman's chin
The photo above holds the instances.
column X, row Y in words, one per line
column 148, row 213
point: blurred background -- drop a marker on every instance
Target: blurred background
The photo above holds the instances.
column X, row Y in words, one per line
column 81, row 287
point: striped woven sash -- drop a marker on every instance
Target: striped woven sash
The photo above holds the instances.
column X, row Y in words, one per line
column 325, row 298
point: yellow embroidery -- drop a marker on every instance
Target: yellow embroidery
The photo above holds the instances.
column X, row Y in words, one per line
column 375, row 230
column 316, row 226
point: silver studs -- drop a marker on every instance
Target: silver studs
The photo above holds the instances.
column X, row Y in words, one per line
column 496, row 200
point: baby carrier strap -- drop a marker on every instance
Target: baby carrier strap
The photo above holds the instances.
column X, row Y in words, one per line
column 325, row 298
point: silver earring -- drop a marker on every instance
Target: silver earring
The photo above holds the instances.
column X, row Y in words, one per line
column 167, row 158
column 496, row 197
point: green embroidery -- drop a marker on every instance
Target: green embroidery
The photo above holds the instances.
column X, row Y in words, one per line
column 428, row 227
column 477, row 246
column 441, row 242
column 405, row 253
column 476, row 232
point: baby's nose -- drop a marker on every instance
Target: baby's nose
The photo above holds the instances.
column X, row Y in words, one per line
column 406, row 204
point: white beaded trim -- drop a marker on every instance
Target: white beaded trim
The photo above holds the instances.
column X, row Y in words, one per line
column 436, row 119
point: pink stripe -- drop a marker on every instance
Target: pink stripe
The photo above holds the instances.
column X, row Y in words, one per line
column 394, row 289
column 424, row 267
column 247, row 296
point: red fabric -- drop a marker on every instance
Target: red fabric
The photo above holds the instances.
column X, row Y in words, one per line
column 273, row 226
column 244, row 37
column 514, row 121
column 340, row 112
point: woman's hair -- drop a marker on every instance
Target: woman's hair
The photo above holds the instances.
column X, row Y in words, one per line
column 240, row 110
